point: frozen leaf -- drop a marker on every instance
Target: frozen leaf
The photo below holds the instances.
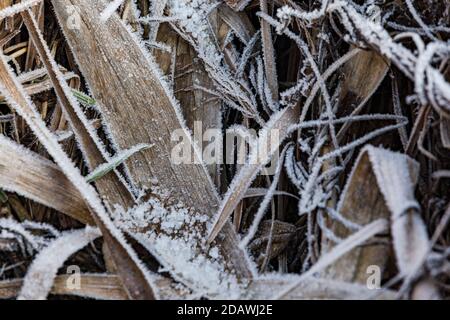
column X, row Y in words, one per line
column 265, row 203
column 201, row 109
column 445, row 132
column 93, row 150
column 409, row 233
column 360, row 204
column 123, row 254
column 280, row 122
column 363, row 75
column 42, row 272
column 96, row 286
column 20, row 235
column 394, row 175
column 351, row 242
column 17, row 8
column 83, row 98
column 311, row 289
column 269, row 54
column 239, row 22
column 144, row 91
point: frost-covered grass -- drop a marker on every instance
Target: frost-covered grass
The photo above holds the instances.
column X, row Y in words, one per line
column 356, row 93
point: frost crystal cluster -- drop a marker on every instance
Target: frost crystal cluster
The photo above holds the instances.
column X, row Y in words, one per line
column 175, row 235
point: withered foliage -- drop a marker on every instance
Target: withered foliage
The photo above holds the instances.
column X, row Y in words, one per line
column 358, row 93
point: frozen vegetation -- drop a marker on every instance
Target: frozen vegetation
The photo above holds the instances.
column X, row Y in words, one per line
column 347, row 102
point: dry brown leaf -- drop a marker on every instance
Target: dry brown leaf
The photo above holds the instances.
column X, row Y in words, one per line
column 394, row 176
column 95, row 286
column 36, row 87
column 363, row 75
column 129, row 268
column 39, row 179
column 238, row 22
column 280, row 236
column 313, row 288
column 270, row 65
column 340, row 250
column 201, row 109
column 110, row 186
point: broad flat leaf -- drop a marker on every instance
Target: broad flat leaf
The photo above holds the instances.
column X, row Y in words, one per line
column 380, row 186
column 37, row 178
column 135, row 276
column 135, row 83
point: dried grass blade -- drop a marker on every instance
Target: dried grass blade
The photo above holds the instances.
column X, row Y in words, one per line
column 94, row 286
column 110, row 186
column 37, row 178
column 133, row 274
column 409, row 233
column 280, row 123
column 109, row 287
column 38, row 87
column 445, row 132
column 42, row 272
column 201, row 109
column 356, row 239
column 362, row 202
column 144, row 92
column 238, row 22
column 17, row 8
column 237, row 5
column 270, row 65
column 363, row 74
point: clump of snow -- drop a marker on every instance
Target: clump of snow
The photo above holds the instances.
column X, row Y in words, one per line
column 175, row 236
column 193, row 17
